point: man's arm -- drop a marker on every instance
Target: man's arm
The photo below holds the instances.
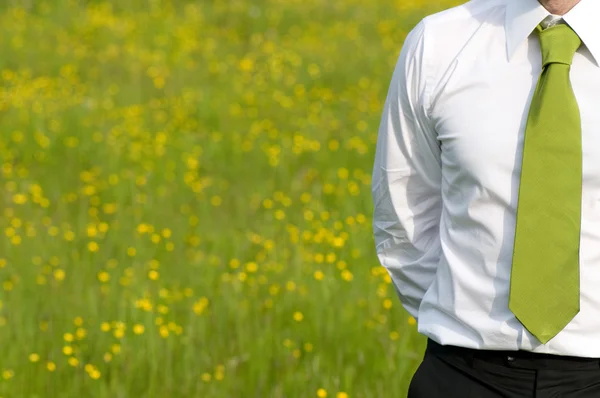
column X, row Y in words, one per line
column 406, row 184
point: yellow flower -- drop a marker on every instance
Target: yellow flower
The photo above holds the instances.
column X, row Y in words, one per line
column 19, row 199
column 81, row 333
column 298, row 316
column 347, row 275
column 8, row 374
column 109, row 208
column 267, row 203
column 163, row 309
column 119, row 333
column 321, row 393
column 219, row 372
column 338, row 242
column 216, row 201
column 200, row 305
column 387, row 303
column 95, row 374
column 116, row 349
column 103, row 276
column 163, row 331
column 92, row 231
column 246, row 64
column 143, row 228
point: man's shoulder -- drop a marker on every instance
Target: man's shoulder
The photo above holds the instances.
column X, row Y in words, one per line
column 452, row 23
column 444, row 34
column 471, row 11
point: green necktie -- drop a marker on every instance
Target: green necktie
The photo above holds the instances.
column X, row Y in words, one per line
column 544, row 288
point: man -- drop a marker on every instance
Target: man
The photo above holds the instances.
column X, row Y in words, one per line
column 486, row 189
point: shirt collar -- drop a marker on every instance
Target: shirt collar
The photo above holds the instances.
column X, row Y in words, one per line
column 522, row 16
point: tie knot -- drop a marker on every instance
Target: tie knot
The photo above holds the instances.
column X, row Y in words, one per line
column 559, row 44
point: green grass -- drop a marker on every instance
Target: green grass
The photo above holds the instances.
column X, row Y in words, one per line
column 185, row 199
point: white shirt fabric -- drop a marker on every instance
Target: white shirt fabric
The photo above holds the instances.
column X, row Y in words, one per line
column 447, row 171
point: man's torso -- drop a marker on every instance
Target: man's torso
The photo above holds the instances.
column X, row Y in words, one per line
column 479, row 101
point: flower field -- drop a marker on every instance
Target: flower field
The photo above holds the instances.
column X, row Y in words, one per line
column 185, row 199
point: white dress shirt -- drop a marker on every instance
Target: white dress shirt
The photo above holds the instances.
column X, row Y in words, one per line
column 447, row 172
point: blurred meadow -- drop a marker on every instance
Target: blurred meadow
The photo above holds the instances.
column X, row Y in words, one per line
column 185, row 199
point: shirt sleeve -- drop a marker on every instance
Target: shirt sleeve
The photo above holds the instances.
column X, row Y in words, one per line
column 406, row 180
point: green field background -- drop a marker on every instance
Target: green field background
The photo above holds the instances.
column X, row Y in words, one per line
column 185, row 199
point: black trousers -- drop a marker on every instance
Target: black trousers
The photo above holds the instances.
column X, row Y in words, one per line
column 454, row 372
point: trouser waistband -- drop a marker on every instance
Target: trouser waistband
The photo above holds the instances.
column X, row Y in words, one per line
column 521, row 359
